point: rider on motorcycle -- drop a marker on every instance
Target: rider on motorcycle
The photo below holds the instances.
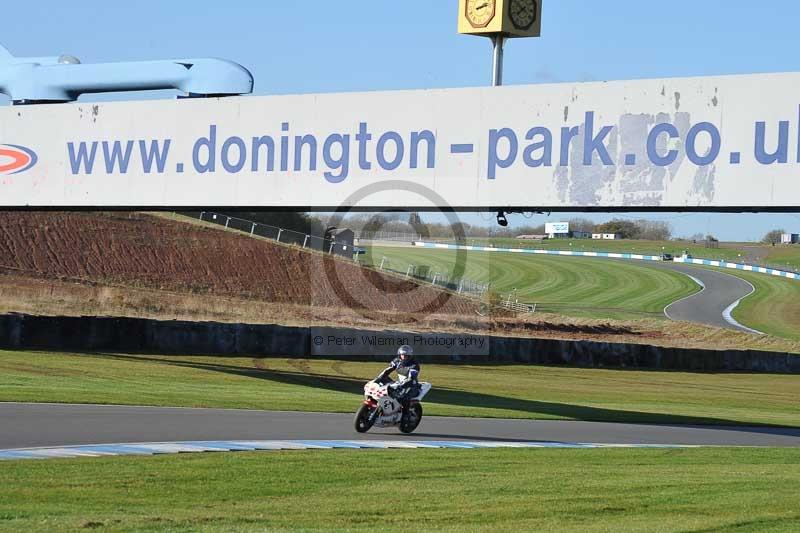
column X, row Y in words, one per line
column 407, row 369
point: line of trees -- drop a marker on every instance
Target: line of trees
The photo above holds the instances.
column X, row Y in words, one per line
column 650, row 230
column 413, row 223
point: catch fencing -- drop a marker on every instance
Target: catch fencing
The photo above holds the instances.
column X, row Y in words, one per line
column 398, row 236
column 257, row 229
column 421, row 273
column 424, row 273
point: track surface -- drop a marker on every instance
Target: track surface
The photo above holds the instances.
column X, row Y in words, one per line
column 36, row 425
column 709, row 305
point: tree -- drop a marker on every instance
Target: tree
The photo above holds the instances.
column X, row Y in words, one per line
column 581, row 224
column 654, row 230
column 773, row 237
column 626, row 228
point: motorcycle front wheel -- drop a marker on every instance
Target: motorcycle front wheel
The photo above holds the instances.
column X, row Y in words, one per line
column 411, row 419
column 362, row 419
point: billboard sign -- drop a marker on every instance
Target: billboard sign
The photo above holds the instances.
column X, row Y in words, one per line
column 556, row 228
column 693, row 143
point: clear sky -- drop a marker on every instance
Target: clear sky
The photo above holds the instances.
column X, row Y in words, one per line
column 357, row 45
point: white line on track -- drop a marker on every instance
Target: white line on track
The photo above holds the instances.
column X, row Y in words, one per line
column 727, row 314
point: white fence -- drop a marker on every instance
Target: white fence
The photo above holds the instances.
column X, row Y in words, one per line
column 459, row 285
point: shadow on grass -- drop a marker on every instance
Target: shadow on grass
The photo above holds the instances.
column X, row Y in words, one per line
column 444, row 396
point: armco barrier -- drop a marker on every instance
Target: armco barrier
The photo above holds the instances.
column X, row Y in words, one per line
column 739, row 266
column 536, row 251
column 613, row 255
column 136, row 335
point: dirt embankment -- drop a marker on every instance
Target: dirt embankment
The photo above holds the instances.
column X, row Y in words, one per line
column 145, row 252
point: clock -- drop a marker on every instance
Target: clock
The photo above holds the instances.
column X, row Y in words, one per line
column 523, row 13
column 480, row 12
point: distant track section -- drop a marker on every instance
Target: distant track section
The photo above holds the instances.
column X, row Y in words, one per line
column 720, row 291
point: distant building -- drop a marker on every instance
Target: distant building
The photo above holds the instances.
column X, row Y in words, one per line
column 582, row 235
column 340, row 242
column 532, row 237
column 597, row 236
column 790, row 238
column 611, row 236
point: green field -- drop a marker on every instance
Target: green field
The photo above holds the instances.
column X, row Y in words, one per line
column 508, row 391
column 781, row 256
column 621, row 246
column 785, row 256
column 596, row 288
column 410, row 490
column 774, row 308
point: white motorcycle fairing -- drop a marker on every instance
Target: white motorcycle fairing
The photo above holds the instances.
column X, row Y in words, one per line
column 391, row 409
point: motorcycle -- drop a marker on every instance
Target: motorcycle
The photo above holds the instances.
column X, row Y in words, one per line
column 380, row 409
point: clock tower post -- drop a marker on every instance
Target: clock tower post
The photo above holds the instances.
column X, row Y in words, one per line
column 499, row 20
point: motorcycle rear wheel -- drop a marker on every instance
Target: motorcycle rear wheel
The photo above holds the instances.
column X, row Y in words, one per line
column 410, row 421
column 361, row 420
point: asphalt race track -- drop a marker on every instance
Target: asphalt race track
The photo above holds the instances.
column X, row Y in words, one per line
column 709, row 305
column 45, row 425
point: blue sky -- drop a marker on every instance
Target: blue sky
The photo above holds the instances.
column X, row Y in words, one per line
column 357, row 45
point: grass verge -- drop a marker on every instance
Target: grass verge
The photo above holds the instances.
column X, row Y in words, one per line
column 570, row 286
column 508, row 391
column 498, row 490
column 774, row 308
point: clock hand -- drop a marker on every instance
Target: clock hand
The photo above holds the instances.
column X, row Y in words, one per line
column 482, row 6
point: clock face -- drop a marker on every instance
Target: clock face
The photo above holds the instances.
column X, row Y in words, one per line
column 480, row 12
column 523, row 13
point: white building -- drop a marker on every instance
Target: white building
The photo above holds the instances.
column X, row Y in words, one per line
column 611, row 236
column 790, row 238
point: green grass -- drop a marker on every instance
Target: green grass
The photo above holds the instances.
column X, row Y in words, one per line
column 410, row 490
column 583, row 287
column 622, row 246
column 774, row 308
column 784, row 256
column 509, row 391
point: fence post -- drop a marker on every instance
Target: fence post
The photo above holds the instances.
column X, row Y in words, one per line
column 280, row 230
column 227, row 222
column 305, row 241
column 460, row 285
column 253, row 229
column 201, row 215
column 434, row 278
column 408, row 272
column 383, row 260
column 330, row 250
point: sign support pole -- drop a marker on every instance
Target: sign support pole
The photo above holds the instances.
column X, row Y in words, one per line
column 498, row 43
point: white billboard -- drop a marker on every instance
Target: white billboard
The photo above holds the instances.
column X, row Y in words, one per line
column 675, row 143
column 556, row 228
